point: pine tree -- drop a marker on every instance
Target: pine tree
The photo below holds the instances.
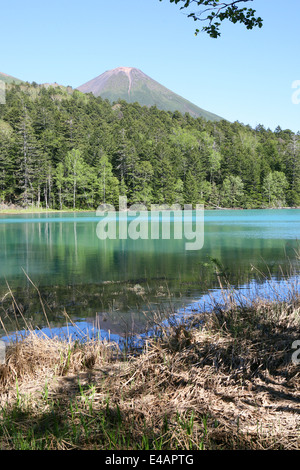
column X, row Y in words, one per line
column 59, row 178
column 292, row 162
column 107, row 184
column 75, row 167
column 28, row 153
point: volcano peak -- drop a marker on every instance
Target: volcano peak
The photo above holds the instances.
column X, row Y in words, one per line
column 133, row 85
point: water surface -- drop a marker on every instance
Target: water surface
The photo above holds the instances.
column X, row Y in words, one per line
column 121, row 281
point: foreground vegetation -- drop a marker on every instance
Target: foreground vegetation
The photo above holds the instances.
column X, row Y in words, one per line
column 221, row 380
column 61, row 149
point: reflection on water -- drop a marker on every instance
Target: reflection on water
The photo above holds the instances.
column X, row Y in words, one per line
column 104, row 327
column 122, row 282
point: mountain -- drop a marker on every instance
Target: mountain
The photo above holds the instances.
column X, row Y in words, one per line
column 132, row 85
column 9, row 79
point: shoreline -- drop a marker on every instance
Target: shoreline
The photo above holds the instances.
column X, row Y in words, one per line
column 19, row 211
column 270, row 291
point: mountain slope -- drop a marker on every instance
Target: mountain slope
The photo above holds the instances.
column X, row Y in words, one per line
column 132, row 85
column 9, row 79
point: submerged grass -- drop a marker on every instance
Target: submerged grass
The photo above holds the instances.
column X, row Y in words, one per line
column 219, row 380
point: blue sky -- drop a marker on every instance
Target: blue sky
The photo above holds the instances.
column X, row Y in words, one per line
column 244, row 75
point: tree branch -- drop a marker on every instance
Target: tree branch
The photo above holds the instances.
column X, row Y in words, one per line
column 219, row 11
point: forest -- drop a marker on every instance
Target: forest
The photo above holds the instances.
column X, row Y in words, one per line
column 62, row 149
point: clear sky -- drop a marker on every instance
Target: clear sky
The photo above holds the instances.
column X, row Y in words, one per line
column 244, row 75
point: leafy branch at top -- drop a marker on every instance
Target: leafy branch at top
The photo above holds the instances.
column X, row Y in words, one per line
column 217, row 11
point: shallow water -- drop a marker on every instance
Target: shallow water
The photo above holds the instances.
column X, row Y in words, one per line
column 120, row 281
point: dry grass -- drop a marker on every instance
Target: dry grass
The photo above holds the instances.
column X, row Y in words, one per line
column 223, row 380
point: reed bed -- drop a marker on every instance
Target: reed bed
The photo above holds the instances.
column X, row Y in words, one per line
column 224, row 379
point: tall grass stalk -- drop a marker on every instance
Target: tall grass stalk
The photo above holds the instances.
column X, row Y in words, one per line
column 202, row 383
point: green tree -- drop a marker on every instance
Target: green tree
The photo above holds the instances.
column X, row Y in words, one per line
column 211, row 156
column 165, row 187
column 106, row 183
column 232, row 191
column 59, row 177
column 75, row 171
column 292, row 166
column 275, row 186
column 186, row 142
column 28, row 154
column 79, row 151
column 7, row 167
column 192, row 190
column 142, row 188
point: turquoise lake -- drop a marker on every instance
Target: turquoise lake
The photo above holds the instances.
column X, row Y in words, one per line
column 120, row 282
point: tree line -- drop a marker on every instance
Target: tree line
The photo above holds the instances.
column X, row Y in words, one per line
column 62, row 149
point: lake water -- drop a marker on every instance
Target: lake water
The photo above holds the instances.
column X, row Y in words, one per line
column 121, row 282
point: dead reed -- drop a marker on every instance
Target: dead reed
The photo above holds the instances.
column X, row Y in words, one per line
column 224, row 379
